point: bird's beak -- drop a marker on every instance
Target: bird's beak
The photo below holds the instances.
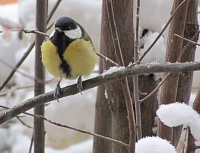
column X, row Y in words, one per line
column 58, row 30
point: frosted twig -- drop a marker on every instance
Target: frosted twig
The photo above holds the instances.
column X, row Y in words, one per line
column 99, row 80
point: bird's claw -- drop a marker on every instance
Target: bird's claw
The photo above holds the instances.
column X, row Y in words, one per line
column 79, row 85
column 57, row 92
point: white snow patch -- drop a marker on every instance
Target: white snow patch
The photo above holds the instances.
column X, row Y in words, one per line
column 112, row 70
column 154, row 145
column 154, row 14
column 157, row 52
column 176, row 114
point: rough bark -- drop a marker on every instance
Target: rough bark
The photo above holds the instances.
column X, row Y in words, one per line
column 39, row 131
column 148, row 107
column 174, row 47
column 103, row 118
column 185, row 79
column 123, row 19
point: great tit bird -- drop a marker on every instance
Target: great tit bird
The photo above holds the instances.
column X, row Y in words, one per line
column 69, row 51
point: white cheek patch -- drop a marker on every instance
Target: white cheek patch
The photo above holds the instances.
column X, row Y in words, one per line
column 75, row 33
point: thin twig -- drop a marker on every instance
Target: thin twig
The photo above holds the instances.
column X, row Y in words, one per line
column 20, row 72
column 31, row 144
column 26, row 75
column 186, row 46
column 135, row 78
column 24, row 123
column 35, row 32
column 107, row 59
column 114, row 34
column 53, row 10
column 72, row 128
column 160, row 34
column 155, row 90
column 29, row 31
column 193, row 42
column 82, row 131
column 17, row 65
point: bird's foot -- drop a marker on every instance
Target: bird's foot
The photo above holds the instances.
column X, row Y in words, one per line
column 57, row 92
column 79, row 85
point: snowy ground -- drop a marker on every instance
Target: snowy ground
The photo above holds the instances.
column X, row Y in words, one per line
column 78, row 110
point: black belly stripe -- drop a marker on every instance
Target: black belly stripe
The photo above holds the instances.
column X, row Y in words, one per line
column 61, row 42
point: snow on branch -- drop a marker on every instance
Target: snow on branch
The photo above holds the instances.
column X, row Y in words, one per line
column 99, row 80
column 176, row 114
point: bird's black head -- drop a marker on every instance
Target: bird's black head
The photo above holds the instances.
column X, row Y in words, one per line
column 68, row 27
column 66, row 23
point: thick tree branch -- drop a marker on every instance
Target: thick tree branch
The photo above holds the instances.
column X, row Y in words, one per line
column 99, row 80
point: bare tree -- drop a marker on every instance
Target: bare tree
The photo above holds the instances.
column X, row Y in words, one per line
column 115, row 106
column 174, row 47
column 185, row 79
column 39, row 131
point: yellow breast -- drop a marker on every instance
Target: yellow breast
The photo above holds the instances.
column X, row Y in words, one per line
column 51, row 59
column 81, row 57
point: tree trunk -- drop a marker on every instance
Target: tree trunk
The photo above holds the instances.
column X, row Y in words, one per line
column 185, row 79
column 148, row 107
column 123, row 12
column 174, row 47
column 39, row 132
column 103, row 118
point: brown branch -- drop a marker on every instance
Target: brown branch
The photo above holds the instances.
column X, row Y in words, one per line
column 107, row 59
column 35, row 32
column 193, row 42
column 99, row 80
column 135, row 79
